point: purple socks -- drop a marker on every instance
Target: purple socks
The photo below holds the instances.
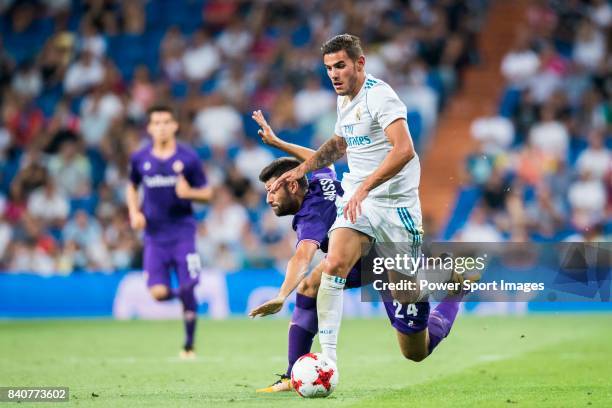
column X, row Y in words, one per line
column 302, row 329
column 440, row 322
column 190, row 307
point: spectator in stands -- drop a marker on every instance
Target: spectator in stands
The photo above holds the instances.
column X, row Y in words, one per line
column 419, row 96
column 98, row 110
column 218, row 123
column 91, row 39
column 596, row 159
column 171, row 49
column 226, row 220
column 521, row 64
column 590, row 45
column 83, row 74
column 235, row 40
column 27, row 82
column 23, row 119
column 587, row 196
column 142, row 93
column 495, row 132
column 71, row 170
column 550, row 135
column 251, row 160
column 202, row 58
column 312, row 101
column 48, row 205
column 479, row 229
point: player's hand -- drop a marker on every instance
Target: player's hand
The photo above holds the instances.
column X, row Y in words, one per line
column 182, row 188
column 352, row 209
column 266, row 133
column 292, row 175
column 138, row 220
column 268, row 308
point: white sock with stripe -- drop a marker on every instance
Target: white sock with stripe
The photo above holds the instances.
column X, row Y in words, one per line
column 329, row 312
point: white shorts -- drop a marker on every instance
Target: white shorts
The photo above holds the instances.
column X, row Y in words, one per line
column 383, row 224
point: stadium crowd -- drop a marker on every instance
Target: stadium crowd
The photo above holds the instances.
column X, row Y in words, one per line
column 77, row 77
column 544, row 164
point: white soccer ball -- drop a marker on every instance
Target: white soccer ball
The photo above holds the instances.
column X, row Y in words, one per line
column 314, row 376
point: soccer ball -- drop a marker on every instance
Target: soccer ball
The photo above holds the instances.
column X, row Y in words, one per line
column 314, row 376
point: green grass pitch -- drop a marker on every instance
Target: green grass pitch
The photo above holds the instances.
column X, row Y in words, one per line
column 549, row 360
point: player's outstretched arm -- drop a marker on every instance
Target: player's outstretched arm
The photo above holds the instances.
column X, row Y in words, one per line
column 327, row 154
column 399, row 155
column 137, row 218
column 297, row 268
column 269, row 137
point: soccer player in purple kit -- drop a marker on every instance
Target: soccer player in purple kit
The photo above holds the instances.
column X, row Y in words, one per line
column 171, row 177
column 312, row 203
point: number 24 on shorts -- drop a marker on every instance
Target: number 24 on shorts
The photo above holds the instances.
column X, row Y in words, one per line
column 411, row 310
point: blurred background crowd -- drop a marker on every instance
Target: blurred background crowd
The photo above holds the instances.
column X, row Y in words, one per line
column 76, row 78
column 543, row 168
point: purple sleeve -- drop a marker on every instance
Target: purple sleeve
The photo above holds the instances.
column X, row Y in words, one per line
column 135, row 176
column 325, row 172
column 312, row 228
column 195, row 174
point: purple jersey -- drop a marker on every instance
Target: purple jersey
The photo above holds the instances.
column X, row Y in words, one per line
column 318, row 211
column 169, row 218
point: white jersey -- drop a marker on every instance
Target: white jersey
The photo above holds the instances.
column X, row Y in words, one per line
column 361, row 122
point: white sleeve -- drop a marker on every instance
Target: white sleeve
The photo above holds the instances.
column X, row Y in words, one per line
column 337, row 127
column 385, row 106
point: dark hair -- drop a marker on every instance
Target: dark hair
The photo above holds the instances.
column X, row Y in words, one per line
column 161, row 108
column 347, row 42
column 281, row 166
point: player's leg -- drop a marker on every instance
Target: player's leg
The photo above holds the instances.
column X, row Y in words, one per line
column 302, row 328
column 156, row 270
column 418, row 331
column 188, row 265
column 345, row 249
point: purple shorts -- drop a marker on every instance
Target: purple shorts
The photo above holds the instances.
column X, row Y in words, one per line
column 161, row 258
column 406, row 319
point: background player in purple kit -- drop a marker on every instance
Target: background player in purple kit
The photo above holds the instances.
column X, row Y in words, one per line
column 171, row 177
column 314, row 210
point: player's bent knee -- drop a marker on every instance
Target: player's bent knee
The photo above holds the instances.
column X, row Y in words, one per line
column 337, row 266
column 159, row 292
column 412, row 355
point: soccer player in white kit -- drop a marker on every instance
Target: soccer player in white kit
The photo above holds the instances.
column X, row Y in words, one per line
column 381, row 201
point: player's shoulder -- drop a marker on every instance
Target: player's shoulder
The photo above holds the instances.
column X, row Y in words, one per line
column 142, row 152
column 323, row 173
column 187, row 151
column 379, row 93
column 377, row 87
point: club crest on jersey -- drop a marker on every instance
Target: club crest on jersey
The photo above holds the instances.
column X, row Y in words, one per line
column 348, row 130
column 146, row 166
column 178, row 166
column 358, row 113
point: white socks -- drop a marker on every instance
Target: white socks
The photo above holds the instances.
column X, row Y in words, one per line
column 329, row 312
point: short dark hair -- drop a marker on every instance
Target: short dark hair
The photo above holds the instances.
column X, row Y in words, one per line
column 347, row 42
column 161, row 108
column 281, row 166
